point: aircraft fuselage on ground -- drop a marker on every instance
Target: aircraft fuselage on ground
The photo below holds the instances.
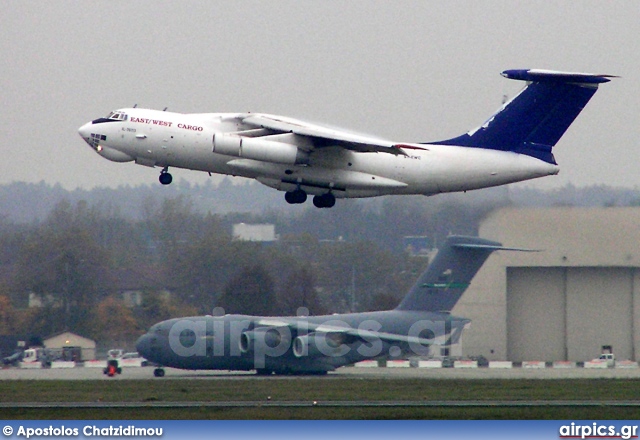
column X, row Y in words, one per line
column 291, row 345
column 303, row 158
column 318, row 344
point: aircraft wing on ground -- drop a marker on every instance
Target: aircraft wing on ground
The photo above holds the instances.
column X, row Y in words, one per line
column 324, row 136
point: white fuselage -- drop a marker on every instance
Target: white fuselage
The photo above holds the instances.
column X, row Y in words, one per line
column 166, row 139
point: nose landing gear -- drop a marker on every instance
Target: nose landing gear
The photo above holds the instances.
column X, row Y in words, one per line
column 165, row 177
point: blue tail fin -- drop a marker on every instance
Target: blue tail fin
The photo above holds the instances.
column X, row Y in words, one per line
column 440, row 287
column 534, row 121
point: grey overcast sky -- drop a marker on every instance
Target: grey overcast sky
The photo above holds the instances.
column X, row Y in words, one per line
column 404, row 70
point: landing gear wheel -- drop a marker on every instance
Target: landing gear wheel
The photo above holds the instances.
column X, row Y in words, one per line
column 165, row 177
column 158, row 372
column 295, row 197
column 324, row 201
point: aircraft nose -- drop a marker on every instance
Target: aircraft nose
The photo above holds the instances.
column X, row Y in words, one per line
column 85, row 130
column 143, row 345
column 85, row 133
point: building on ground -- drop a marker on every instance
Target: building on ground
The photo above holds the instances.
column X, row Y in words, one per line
column 579, row 293
column 71, row 347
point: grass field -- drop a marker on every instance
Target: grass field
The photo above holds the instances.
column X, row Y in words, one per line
column 320, row 389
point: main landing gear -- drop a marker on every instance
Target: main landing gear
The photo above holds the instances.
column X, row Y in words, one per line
column 324, row 201
column 295, row 197
column 289, row 372
column 158, row 372
column 299, row 196
column 165, row 177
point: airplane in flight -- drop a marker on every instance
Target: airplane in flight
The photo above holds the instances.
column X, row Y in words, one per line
column 318, row 344
column 302, row 159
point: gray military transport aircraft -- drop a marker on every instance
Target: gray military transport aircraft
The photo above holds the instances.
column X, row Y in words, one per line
column 318, row 344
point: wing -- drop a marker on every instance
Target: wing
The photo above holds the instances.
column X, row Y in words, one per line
column 365, row 335
column 323, row 136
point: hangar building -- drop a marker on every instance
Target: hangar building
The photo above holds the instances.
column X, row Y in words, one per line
column 72, row 347
column 579, row 293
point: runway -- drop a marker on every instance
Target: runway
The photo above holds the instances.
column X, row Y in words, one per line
column 350, row 392
column 331, row 404
column 342, row 373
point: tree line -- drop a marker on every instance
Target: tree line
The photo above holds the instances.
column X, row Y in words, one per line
column 79, row 260
column 78, row 263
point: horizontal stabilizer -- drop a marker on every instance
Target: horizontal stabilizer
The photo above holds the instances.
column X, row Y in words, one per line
column 493, row 247
column 539, row 75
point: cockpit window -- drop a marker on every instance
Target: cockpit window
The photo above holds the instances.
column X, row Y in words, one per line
column 112, row 117
column 117, row 116
column 158, row 329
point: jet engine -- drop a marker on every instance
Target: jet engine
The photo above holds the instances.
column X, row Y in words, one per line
column 266, row 339
column 321, row 344
column 259, row 149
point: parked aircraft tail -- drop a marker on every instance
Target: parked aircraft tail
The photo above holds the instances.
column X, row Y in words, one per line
column 534, row 120
column 440, row 287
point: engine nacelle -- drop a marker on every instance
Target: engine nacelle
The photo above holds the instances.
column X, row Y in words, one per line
column 265, row 339
column 321, row 344
column 259, row 149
